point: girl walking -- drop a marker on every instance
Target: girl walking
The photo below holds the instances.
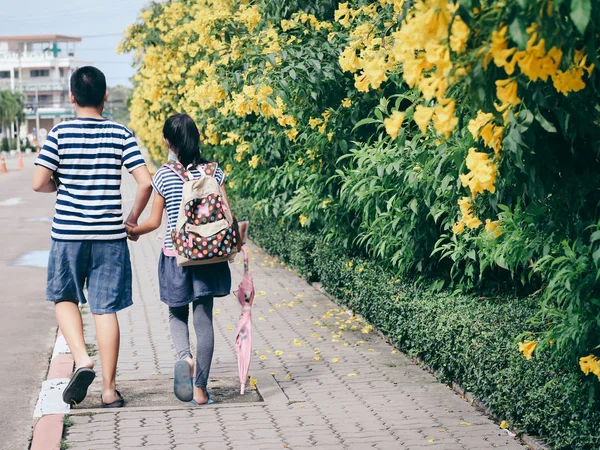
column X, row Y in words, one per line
column 181, row 287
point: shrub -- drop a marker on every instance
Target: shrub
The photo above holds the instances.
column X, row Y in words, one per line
column 468, row 339
column 441, row 138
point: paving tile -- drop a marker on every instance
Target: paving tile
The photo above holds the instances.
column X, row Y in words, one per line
column 388, row 402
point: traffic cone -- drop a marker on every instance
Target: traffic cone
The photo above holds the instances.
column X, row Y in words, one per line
column 20, row 161
column 3, row 165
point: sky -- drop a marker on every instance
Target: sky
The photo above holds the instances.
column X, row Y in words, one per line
column 100, row 23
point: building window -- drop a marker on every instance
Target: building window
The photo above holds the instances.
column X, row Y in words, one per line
column 16, row 73
column 5, row 74
column 40, row 73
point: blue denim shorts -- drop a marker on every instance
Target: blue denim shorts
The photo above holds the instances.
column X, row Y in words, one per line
column 103, row 267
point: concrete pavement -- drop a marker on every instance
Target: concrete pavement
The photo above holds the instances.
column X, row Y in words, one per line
column 27, row 324
column 325, row 379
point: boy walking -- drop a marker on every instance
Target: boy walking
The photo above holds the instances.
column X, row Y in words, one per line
column 82, row 159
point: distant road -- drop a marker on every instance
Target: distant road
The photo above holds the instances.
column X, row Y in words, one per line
column 27, row 324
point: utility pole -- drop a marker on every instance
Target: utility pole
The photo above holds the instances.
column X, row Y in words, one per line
column 37, row 118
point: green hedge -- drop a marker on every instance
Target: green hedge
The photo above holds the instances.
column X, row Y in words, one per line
column 469, row 340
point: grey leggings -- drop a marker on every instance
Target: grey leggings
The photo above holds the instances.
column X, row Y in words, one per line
column 205, row 337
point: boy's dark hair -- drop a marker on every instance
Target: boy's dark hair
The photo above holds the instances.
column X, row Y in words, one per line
column 88, row 86
column 184, row 137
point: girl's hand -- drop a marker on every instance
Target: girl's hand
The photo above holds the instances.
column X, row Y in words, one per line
column 131, row 235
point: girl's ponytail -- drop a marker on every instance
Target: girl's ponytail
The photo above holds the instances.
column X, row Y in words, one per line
column 184, row 137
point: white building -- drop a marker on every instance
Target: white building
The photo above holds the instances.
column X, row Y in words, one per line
column 40, row 67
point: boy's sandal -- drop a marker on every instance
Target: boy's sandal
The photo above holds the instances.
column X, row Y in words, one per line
column 116, row 404
column 79, row 383
column 183, row 386
column 208, row 401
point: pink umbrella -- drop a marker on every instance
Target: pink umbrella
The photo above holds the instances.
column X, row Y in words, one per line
column 243, row 340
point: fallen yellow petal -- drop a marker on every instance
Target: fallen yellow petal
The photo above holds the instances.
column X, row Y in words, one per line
column 431, row 440
column 263, row 357
column 317, row 358
column 297, row 342
column 278, row 353
column 464, row 423
column 335, row 360
column 351, row 374
column 288, row 377
column 272, row 310
column 229, row 327
column 261, row 318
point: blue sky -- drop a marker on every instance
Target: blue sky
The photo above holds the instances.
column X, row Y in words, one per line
column 100, row 23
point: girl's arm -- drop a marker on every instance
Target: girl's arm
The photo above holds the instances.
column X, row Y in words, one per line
column 152, row 223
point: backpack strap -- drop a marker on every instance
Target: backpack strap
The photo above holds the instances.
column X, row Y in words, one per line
column 177, row 168
column 210, row 169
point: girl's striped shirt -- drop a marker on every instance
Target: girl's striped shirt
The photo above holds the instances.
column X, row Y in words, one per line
column 86, row 156
column 167, row 184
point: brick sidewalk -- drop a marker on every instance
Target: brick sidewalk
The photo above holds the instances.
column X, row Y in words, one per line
column 338, row 386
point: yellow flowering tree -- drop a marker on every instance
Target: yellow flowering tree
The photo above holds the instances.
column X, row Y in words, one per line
column 463, row 129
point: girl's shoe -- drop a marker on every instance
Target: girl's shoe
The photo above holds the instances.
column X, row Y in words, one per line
column 183, row 385
column 116, row 404
column 208, row 400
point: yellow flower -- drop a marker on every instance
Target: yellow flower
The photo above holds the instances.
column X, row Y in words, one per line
column 330, row 136
column 527, row 348
column 393, row 123
column 348, row 60
column 482, row 175
column 297, row 342
column 569, row 81
column 504, row 425
column 374, row 69
column 589, row 364
column 367, row 329
column 467, row 213
column 346, row 103
column 228, row 168
column 422, row 116
column 278, row 353
column 458, row 227
column 476, row 124
column 361, row 82
column 506, row 91
column 314, row 122
column 262, row 357
column 494, row 227
column 300, row 161
column 459, row 35
column 254, row 161
column 444, row 121
column 292, row 133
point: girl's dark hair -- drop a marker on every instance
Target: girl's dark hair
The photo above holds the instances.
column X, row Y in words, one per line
column 184, row 137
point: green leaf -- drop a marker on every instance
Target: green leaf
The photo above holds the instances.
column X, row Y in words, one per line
column 518, row 33
column 546, row 125
column 581, row 11
column 523, row 3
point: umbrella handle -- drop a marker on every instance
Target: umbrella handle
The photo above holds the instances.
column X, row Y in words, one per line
column 245, row 252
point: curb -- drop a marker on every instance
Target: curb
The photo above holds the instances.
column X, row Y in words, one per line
column 48, row 429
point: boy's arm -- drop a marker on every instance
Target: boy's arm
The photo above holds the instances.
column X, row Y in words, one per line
column 47, row 164
column 43, row 180
column 153, row 222
column 142, row 195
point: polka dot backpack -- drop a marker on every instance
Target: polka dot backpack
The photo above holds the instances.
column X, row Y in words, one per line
column 206, row 231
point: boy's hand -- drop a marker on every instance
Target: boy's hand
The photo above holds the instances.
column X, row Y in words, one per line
column 130, row 228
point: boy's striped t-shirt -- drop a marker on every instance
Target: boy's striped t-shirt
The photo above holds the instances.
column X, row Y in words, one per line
column 86, row 156
column 170, row 186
